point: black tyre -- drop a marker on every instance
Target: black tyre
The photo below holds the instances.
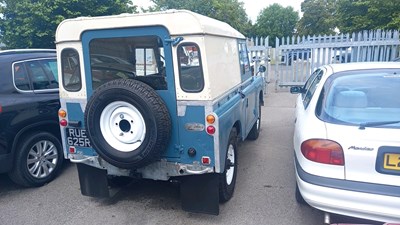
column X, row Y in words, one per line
column 127, row 123
column 298, row 196
column 38, row 159
column 227, row 179
column 255, row 130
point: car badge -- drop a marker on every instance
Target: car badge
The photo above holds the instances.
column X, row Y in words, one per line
column 360, row 148
column 194, row 127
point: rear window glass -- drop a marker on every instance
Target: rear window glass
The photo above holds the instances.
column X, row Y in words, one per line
column 190, row 69
column 71, row 74
column 361, row 96
column 140, row 58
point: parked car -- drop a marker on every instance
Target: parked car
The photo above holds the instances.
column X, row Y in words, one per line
column 178, row 115
column 344, row 57
column 346, row 140
column 290, row 55
column 30, row 146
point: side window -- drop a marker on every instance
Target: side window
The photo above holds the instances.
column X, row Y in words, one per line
column 50, row 68
column 244, row 58
column 190, row 68
column 71, row 75
column 41, row 75
column 21, row 79
column 310, row 87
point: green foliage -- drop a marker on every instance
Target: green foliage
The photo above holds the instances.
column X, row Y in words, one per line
column 229, row 11
column 319, row 17
column 359, row 15
column 276, row 21
column 33, row 23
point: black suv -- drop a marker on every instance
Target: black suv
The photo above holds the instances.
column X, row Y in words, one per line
column 30, row 146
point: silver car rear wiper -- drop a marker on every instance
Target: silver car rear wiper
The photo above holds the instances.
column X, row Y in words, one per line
column 378, row 123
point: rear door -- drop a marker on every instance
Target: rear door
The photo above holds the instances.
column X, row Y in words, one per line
column 133, row 53
column 249, row 90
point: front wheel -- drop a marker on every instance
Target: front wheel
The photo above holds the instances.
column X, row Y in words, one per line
column 227, row 179
column 38, row 159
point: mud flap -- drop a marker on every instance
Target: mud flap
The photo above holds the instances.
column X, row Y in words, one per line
column 93, row 181
column 200, row 193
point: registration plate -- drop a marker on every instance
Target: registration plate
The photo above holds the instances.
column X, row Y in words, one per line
column 391, row 161
column 77, row 137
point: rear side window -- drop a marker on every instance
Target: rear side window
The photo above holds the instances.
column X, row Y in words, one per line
column 190, row 69
column 40, row 74
column 244, row 58
column 310, row 87
column 21, row 79
column 71, row 74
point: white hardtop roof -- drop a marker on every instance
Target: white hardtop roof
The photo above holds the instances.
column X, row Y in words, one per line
column 363, row 66
column 178, row 22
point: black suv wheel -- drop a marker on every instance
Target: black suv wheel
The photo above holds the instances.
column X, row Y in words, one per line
column 37, row 160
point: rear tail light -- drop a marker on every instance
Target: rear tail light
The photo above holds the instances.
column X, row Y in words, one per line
column 210, row 119
column 323, row 151
column 63, row 122
column 63, row 114
column 211, row 130
column 205, row 160
column 72, row 150
column 1, row 109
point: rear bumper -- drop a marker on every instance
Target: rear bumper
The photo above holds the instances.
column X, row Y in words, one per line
column 355, row 199
column 5, row 163
column 159, row 170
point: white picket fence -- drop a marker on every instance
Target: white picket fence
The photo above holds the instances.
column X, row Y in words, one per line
column 294, row 58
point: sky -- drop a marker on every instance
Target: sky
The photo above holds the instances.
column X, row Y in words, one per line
column 253, row 7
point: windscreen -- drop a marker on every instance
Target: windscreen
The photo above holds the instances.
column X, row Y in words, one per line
column 363, row 96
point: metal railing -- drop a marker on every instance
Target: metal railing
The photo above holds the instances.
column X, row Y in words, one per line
column 295, row 58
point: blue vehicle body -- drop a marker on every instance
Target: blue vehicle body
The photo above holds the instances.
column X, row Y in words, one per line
column 204, row 111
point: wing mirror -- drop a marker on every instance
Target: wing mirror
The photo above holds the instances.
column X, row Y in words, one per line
column 296, row 90
column 262, row 69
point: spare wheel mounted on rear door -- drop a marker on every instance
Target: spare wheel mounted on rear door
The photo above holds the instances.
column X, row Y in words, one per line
column 127, row 123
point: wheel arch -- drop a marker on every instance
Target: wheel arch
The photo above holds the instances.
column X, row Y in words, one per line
column 238, row 127
column 49, row 126
column 261, row 96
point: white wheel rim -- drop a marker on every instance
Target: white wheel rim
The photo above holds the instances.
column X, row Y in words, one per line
column 230, row 157
column 122, row 126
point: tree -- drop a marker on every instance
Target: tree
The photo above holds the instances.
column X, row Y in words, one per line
column 33, row 23
column 359, row 15
column 229, row 11
column 276, row 21
column 319, row 17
